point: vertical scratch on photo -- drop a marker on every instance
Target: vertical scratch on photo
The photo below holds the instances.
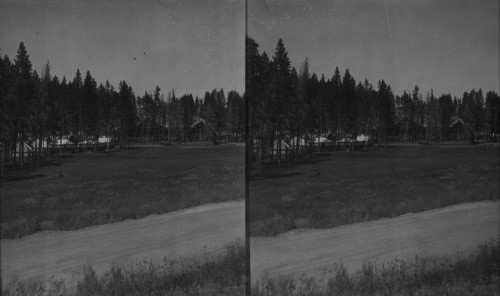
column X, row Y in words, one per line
column 387, row 18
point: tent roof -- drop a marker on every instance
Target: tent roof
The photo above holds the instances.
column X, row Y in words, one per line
column 297, row 140
column 104, row 139
column 457, row 121
column 283, row 144
column 361, row 138
column 321, row 139
column 37, row 142
column 25, row 145
column 62, row 141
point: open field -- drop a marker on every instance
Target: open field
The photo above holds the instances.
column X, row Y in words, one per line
column 438, row 232
column 183, row 234
column 475, row 273
column 331, row 189
column 80, row 190
column 220, row 274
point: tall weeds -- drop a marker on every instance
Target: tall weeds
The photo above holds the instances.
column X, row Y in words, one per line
column 222, row 274
column 473, row 274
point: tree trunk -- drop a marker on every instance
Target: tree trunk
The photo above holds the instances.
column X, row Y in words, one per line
column 4, row 148
column 168, row 133
column 319, row 142
column 279, row 146
column 60, row 141
column 21, row 147
column 40, row 145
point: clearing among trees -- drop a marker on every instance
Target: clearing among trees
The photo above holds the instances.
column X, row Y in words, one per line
column 337, row 188
column 79, row 190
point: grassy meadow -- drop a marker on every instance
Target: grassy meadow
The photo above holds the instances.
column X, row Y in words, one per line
column 73, row 191
column 221, row 274
column 326, row 190
column 460, row 274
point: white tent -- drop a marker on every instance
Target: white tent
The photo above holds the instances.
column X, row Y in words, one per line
column 284, row 147
column 459, row 120
column 63, row 141
column 25, row 146
column 345, row 140
column 297, row 141
column 104, row 140
column 84, row 142
column 38, row 143
column 363, row 138
column 320, row 139
column 197, row 120
column 26, row 149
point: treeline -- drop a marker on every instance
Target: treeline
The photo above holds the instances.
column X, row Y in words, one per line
column 295, row 108
column 189, row 118
column 40, row 109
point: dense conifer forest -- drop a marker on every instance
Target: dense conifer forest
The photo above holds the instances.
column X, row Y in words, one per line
column 292, row 110
column 43, row 114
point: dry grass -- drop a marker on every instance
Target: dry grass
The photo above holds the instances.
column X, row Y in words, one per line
column 82, row 190
column 222, row 274
column 332, row 189
column 472, row 274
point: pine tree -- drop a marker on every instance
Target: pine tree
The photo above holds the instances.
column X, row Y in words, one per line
column 336, row 84
column 386, row 111
column 348, row 104
column 492, row 118
column 90, row 122
column 23, row 96
column 280, row 96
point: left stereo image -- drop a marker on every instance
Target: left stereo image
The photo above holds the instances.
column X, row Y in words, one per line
column 122, row 148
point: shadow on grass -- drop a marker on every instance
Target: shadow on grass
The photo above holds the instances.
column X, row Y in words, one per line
column 53, row 161
column 14, row 178
column 392, row 146
column 271, row 170
column 136, row 147
column 273, row 175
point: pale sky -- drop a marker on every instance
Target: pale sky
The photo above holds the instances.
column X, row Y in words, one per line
column 190, row 46
column 194, row 46
column 450, row 46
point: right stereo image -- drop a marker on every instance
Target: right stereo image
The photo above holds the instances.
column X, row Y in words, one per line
column 373, row 147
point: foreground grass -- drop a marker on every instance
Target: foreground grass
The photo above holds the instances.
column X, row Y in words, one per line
column 223, row 274
column 473, row 274
column 333, row 189
column 84, row 189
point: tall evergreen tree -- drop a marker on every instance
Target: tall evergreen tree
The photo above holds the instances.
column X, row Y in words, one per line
column 386, row 111
column 348, row 104
column 23, row 97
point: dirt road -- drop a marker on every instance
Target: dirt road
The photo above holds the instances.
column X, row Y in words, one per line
column 175, row 235
column 431, row 233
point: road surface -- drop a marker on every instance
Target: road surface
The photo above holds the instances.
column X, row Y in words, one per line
column 430, row 233
column 176, row 235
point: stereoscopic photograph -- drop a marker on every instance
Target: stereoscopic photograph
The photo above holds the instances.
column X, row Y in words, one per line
column 258, row 147
column 123, row 159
